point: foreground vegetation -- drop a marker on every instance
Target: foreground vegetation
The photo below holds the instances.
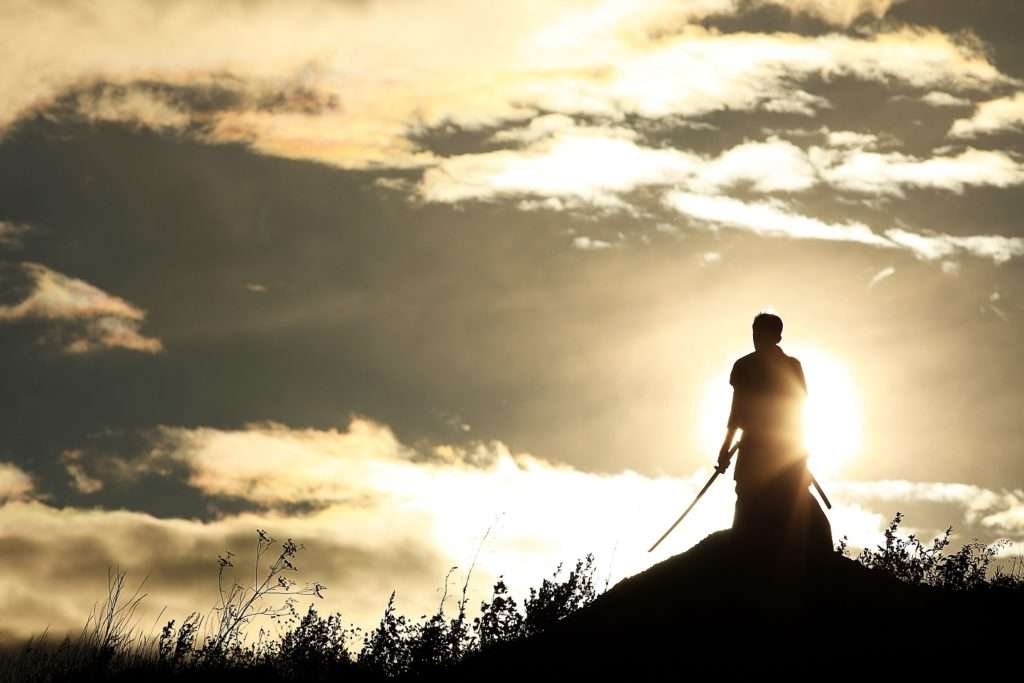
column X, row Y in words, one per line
column 320, row 647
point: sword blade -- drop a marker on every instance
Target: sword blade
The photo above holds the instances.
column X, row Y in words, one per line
column 674, row 524
column 702, row 491
column 821, row 492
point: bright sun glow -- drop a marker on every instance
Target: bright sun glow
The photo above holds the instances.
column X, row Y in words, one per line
column 832, row 425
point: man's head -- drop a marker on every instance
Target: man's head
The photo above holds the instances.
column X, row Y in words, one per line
column 767, row 330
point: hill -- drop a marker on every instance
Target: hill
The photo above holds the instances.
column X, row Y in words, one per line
column 730, row 605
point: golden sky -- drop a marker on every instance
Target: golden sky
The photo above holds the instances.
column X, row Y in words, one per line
column 387, row 277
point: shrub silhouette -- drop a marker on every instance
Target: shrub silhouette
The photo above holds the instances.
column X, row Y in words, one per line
column 913, row 562
column 387, row 648
column 315, row 647
column 554, row 600
column 499, row 620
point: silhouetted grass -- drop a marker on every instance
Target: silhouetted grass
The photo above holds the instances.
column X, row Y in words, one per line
column 317, row 647
column 914, row 562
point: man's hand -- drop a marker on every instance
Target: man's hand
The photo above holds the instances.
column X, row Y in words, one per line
column 725, row 453
column 724, row 456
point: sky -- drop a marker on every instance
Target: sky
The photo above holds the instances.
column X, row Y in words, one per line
column 424, row 285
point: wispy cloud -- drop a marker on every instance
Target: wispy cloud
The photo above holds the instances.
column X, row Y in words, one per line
column 142, row 107
column 937, row 98
column 82, row 482
column 774, row 219
column 892, row 172
column 933, row 246
column 589, row 163
column 1001, row 511
column 590, row 244
column 1004, row 113
column 94, row 318
column 839, row 12
column 15, row 483
column 881, row 275
column 10, row 233
column 849, row 138
column 773, row 165
column 768, row 218
column 593, row 164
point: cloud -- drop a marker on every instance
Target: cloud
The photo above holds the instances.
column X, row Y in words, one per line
column 594, row 164
column 881, row 275
column 849, row 138
column 587, row 162
column 889, row 173
column 274, row 465
column 770, row 218
column 10, row 234
column 15, row 484
column 81, row 481
column 937, row 98
column 1002, row 512
column 95, row 318
column 551, row 204
column 771, row 166
column 133, row 106
column 747, row 72
column 1004, row 113
column 950, row 268
column 1011, row 517
column 839, row 12
column 933, row 246
column 57, row 560
column 558, row 158
column 569, row 164
column 357, row 81
column 774, row 219
column 590, row 244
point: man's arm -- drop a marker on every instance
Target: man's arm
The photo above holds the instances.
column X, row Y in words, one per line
column 730, row 433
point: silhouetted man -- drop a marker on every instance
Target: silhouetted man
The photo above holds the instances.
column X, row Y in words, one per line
column 773, row 503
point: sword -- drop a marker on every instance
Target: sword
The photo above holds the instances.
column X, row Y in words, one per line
column 702, row 491
column 817, row 486
column 821, row 492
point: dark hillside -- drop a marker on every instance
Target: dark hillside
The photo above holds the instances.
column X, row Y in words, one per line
column 725, row 605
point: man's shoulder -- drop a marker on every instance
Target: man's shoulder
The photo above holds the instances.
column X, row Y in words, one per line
column 744, row 360
column 797, row 369
column 792, row 360
column 742, row 367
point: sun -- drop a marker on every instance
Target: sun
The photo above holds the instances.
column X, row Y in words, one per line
column 832, row 417
column 832, row 421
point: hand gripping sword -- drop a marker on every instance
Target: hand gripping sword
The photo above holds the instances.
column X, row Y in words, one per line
column 702, row 491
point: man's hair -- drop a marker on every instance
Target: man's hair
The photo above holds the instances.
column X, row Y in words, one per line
column 769, row 322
